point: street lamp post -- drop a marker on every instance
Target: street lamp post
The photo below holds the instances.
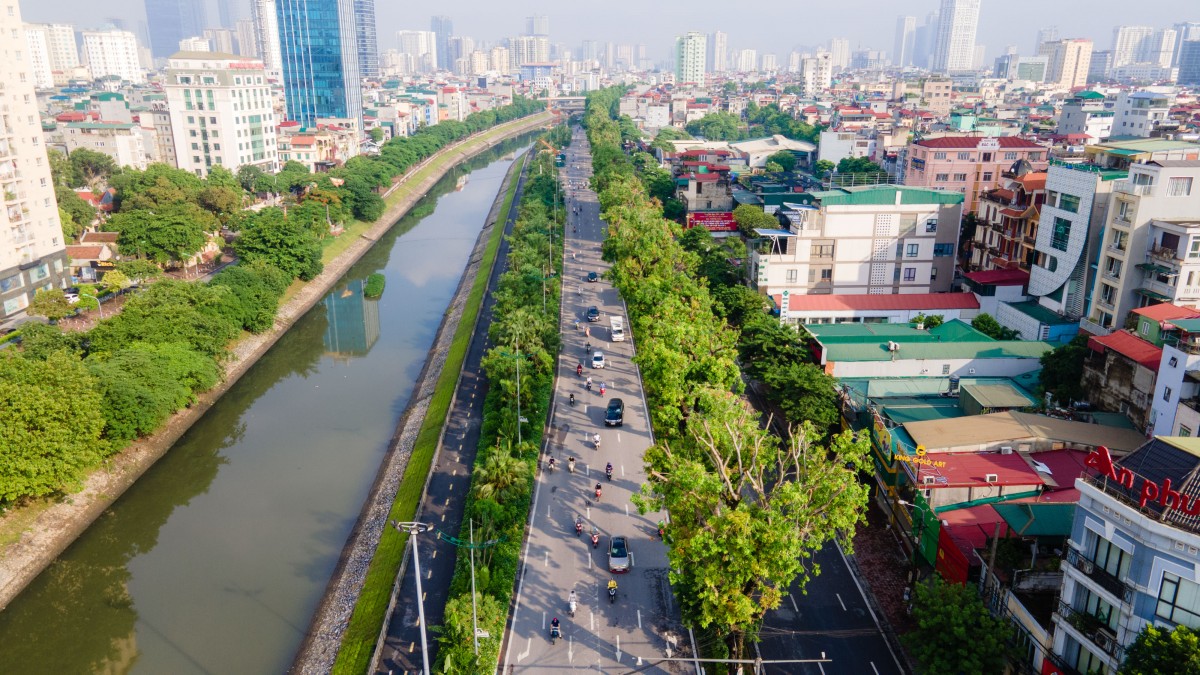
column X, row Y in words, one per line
column 415, row 529
column 99, row 307
column 518, row 355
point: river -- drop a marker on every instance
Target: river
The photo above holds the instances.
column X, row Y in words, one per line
column 214, row 561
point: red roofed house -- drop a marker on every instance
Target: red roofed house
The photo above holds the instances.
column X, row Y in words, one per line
column 88, row 262
column 1119, row 374
column 1008, row 222
column 969, row 165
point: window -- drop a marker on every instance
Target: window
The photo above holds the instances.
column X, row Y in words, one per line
column 1166, row 394
column 792, row 276
column 821, row 251
column 933, row 274
column 1061, row 235
column 910, row 274
column 941, row 177
column 960, row 178
column 1174, row 362
column 964, row 155
column 987, row 176
column 912, row 250
column 939, row 155
column 1194, row 248
column 1107, row 293
column 987, row 157
column 1179, row 601
column 943, row 250
column 1184, row 431
column 1010, row 155
column 1125, row 211
column 10, row 283
column 1112, row 268
column 1068, row 202
column 945, row 368
column 1179, row 186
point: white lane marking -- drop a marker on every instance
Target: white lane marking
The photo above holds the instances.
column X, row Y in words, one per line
column 589, row 562
column 618, row 647
column 627, row 509
column 793, row 602
column 543, row 621
column 622, row 470
column 570, row 649
column 589, row 513
column 639, row 619
column 874, row 668
column 547, row 510
column 821, row 668
column 592, row 622
column 528, row 646
column 618, row 437
column 843, row 604
column 546, row 563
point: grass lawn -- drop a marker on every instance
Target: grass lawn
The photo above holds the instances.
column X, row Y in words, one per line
column 365, row 624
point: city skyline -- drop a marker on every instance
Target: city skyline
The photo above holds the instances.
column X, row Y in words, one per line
column 1015, row 22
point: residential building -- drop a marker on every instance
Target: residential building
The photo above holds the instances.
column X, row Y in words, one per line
column 882, row 239
column 906, row 34
column 936, row 95
column 747, row 61
column 1189, row 63
column 1085, row 113
column 1101, row 66
column 690, row 54
column 1044, row 35
column 1119, row 374
column 112, row 53
column 221, row 112
column 969, row 164
column 1032, row 68
column 442, row 28
column 221, row 39
column 816, row 74
column 539, row 24
column 195, row 44
column 718, row 48
column 421, row 47
column 1132, row 556
column 955, row 46
column 368, row 45
column 1008, row 218
column 1184, row 32
column 1067, row 63
column 1139, row 113
column 61, row 50
column 39, row 56
column 120, row 140
column 170, row 21
column 526, row 49
column 247, row 43
column 1128, row 43
column 266, row 35
column 32, row 253
column 319, row 47
column 164, row 137
column 1147, row 241
column 839, row 53
column 875, row 309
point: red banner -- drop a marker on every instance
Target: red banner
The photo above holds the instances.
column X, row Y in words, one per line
column 715, row 221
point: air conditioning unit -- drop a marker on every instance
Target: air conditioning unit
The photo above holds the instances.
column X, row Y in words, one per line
column 991, row 478
column 1006, row 449
column 893, row 347
column 929, row 480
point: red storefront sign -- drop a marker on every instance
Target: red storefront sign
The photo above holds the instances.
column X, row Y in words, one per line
column 1162, row 493
column 714, row 221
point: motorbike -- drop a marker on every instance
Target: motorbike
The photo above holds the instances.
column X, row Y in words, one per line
column 597, row 492
column 572, row 399
column 571, row 465
column 579, row 369
column 596, row 441
column 602, row 388
column 578, row 525
column 555, row 633
column 612, row 591
column 571, row 604
column 595, row 539
column 608, row 471
column 662, row 530
column 550, row 465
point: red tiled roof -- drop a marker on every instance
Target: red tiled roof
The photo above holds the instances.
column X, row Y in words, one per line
column 703, row 177
column 1033, row 182
column 1004, row 193
column 1007, row 142
column 913, row 301
column 89, row 197
column 1012, row 213
column 84, row 252
column 99, row 238
column 289, row 123
column 303, row 140
column 970, row 469
column 999, row 277
column 1130, row 346
column 1166, row 311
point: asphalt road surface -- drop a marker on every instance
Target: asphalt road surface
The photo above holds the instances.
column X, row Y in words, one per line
column 642, row 624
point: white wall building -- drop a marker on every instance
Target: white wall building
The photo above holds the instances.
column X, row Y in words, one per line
column 954, row 48
column 266, row 35
column 691, row 54
column 816, row 74
column 112, row 53
column 221, row 112
column 718, row 50
column 39, row 56
column 123, row 141
column 32, row 250
column 1139, row 113
column 839, row 53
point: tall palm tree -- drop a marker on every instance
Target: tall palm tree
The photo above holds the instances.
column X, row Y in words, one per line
column 501, row 477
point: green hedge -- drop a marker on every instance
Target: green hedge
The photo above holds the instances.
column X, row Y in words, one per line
column 374, row 287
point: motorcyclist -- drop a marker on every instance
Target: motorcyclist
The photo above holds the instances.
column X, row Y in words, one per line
column 571, row 464
column 551, row 463
column 554, row 630
column 607, row 470
column 579, row 369
column 578, row 525
column 596, row 441
column 602, row 388
column 572, row 602
column 595, row 538
column 612, row 590
column 597, row 492
column 572, row 398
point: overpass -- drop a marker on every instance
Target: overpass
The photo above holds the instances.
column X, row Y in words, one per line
column 566, row 103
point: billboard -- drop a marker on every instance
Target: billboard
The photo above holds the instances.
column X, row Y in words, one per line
column 715, row 221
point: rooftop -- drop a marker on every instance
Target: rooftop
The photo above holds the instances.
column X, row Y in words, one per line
column 971, row 469
column 1040, row 313
column 939, row 351
column 884, row 195
column 905, row 301
column 1006, row 142
column 998, row 395
column 1163, row 458
column 993, row 428
column 1130, row 346
column 999, row 277
column 1166, row 312
column 1144, row 145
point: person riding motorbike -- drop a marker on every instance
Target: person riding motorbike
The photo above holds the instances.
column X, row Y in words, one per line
column 578, row 525
column 602, row 388
column 555, row 633
column 612, row 590
column 608, row 471
column 595, row 538
column 597, row 492
column 596, row 441
column 572, row 398
column 550, row 464
column 571, row 465
column 572, row 602
column 579, row 369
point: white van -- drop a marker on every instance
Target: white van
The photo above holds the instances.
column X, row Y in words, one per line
column 617, row 329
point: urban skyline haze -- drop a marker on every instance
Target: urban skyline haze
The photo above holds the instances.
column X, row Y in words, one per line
column 657, row 24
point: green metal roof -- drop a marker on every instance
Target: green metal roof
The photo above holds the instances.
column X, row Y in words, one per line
column 959, row 331
column 1189, row 325
column 904, row 333
column 923, row 411
column 884, row 195
column 1144, row 145
column 1089, row 94
column 1038, row 520
column 1153, row 267
column 937, row 351
column 1152, row 294
column 1035, row 310
column 998, row 395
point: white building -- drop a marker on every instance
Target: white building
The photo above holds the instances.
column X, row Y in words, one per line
column 876, row 240
column 525, row 49
column 1068, row 62
column 816, row 74
column 196, row 44
column 954, row 48
column 122, row 141
column 32, row 251
column 112, row 53
column 691, row 53
column 906, row 34
column 718, row 50
column 1085, row 113
column 39, row 56
column 1139, row 113
column 839, row 53
column 747, row 61
column 266, row 35
column 221, row 112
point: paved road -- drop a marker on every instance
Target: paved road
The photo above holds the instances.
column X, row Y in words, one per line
column 606, row 636
column 833, row 618
column 451, row 478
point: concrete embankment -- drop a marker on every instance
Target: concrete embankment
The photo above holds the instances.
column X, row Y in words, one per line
column 56, row 527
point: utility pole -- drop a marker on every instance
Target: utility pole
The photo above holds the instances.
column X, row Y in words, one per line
column 414, row 529
column 474, row 609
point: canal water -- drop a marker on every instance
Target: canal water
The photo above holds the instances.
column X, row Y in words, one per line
column 216, row 559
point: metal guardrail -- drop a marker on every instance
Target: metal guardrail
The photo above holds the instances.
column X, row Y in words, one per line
column 1091, row 627
column 1108, row 581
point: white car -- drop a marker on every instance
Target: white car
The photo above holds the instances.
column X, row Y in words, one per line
column 598, row 360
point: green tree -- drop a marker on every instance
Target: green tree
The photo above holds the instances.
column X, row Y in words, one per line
column 501, row 477
column 221, row 201
column 931, row 321
column 803, row 392
column 749, row 217
column 51, row 304
column 662, row 141
column 157, row 188
column 785, row 159
column 986, row 324
column 255, row 289
column 858, row 165
column 82, row 213
column 248, row 176
column 822, row 167
column 70, row 228
column 61, row 170
column 456, row 635
column 170, row 236
column 139, row 270
column 50, row 424
column 376, row 134
column 1062, row 371
column 39, row 341
column 1158, row 651
column 772, row 167
column 283, row 242
column 170, row 311
column 747, row 511
column 955, row 633
column 114, row 281
column 92, row 168
column 220, row 177
column 718, row 126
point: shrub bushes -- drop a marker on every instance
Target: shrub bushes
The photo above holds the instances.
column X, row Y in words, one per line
column 374, row 287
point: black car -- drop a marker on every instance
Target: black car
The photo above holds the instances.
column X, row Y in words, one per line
column 593, row 277
column 614, row 416
column 593, row 314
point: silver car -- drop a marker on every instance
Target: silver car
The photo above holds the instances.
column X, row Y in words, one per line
column 618, row 555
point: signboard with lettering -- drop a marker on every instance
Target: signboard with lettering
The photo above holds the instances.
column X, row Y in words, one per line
column 783, row 307
column 714, row 221
column 1148, row 492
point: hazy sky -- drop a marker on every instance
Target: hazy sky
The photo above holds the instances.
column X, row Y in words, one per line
column 771, row 26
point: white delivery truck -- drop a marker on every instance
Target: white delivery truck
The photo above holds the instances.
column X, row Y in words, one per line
column 617, row 329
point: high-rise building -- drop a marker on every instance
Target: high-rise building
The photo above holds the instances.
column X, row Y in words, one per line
column 247, row 45
column 1185, row 31
column 171, row 21
column 1129, row 44
column 816, row 74
column 718, row 52
column 906, row 34
column 1047, row 34
column 461, row 46
column 266, row 34
column 1068, row 62
column 1189, row 62
column 221, row 39
column 39, row 56
column 526, row 49
column 747, row 61
column 442, row 28
column 112, row 52
column 539, row 24
column 236, row 127
column 770, row 63
column 319, row 46
column 32, row 250
column 499, row 60
column 368, row 45
column 225, row 14
column 839, row 53
column 195, row 44
column 1160, row 48
column 955, row 47
column 925, row 41
column 58, row 41
column 691, row 52
column 1100, row 66
column 421, row 46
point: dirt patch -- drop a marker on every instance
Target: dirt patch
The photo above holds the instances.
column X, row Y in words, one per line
column 56, row 527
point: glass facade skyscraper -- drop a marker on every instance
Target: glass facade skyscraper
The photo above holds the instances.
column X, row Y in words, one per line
column 368, row 47
column 171, row 21
column 318, row 41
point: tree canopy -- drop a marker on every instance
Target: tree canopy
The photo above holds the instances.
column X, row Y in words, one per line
column 171, row 235
column 985, row 323
column 1158, row 651
column 281, row 241
column 955, row 633
column 1062, row 371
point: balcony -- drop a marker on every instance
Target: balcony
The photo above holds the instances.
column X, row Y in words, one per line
column 1093, row 629
column 1028, row 240
column 1061, row 664
column 1167, row 254
column 1098, row 574
column 1131, row 188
